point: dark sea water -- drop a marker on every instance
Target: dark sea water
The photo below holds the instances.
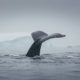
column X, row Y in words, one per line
column 48, row 66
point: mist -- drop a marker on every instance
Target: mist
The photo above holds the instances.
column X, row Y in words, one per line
column 22, row 17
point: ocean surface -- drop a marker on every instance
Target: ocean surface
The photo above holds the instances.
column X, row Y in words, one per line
column 52, row 64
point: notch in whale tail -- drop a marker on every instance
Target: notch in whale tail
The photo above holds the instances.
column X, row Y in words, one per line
column 39, row 37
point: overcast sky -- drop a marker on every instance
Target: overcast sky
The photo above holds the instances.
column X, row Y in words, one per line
column 52, row 16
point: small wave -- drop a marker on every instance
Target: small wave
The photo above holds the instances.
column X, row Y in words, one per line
column 47, row 58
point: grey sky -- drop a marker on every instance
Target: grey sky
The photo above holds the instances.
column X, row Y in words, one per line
column 51, row 16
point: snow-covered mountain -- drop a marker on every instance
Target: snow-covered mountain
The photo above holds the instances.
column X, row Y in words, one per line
column 18, row 45
column 22, row 44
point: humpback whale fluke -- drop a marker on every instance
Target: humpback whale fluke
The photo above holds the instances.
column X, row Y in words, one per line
column 39, row 37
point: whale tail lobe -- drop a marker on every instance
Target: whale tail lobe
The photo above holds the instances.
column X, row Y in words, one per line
column 38, row 35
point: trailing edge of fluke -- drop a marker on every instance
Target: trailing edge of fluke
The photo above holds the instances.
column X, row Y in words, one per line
column 39, row 37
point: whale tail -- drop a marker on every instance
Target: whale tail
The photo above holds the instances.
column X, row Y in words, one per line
column 39, row 37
